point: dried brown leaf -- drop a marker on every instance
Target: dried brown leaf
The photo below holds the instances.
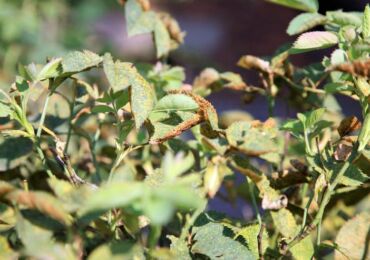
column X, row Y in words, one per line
column 359, row 68
column 348, row 125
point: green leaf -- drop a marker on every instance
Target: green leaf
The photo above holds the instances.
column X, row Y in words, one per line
column 21, row 84
column 162, row 39
column 174, row 103
column 352, row 176
column 313, row 117
column 27, row 232
column 249, row 235
column 304, row 5
column 21, row 148
column 344, row 18
column 116, row 72
column 353, row 238
column 51, row 70
column 102, row 109
column 113, row 195
column 138, row 21
column 4, row 110
column 364, row 136
column 210, row 240
column 304, row 22
column 293, row 125
column 314, row 41
column 366, row 22
column 39, row 243
column 335, row 87
column 118, row 251
column 78, row 61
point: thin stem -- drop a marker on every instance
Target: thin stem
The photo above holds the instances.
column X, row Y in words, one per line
column 92, row 148
column 254, row 201
column 43, row 116
column 304, row 221
column 318, row 238
column 71, row 106
column 38, row 135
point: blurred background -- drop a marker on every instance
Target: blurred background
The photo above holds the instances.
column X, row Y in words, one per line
column 218, row 33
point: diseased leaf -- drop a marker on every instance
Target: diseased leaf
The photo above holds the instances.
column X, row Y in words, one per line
column 210, row 240
column 313, row 41
column 304, row 5
column 116, row 72
column 117, row 251
column 168, row 126
column 78, row 61
column 253, row 141
column 138, row 21
column 179, row 248
column 352, row 239
column 304, row 22
column 142, row 98
column 162, row 39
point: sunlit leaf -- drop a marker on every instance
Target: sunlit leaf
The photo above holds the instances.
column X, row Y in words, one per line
column 366, row 22
column 211, row 241
column 344, row 18
column 138, row 20
column 116, row 72
column 313, row 41
column 304, row 5
column 304, row 22
column 78, row 61
column 51, row 70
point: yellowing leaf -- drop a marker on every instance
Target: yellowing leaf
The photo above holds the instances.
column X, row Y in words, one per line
column 366, row 22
